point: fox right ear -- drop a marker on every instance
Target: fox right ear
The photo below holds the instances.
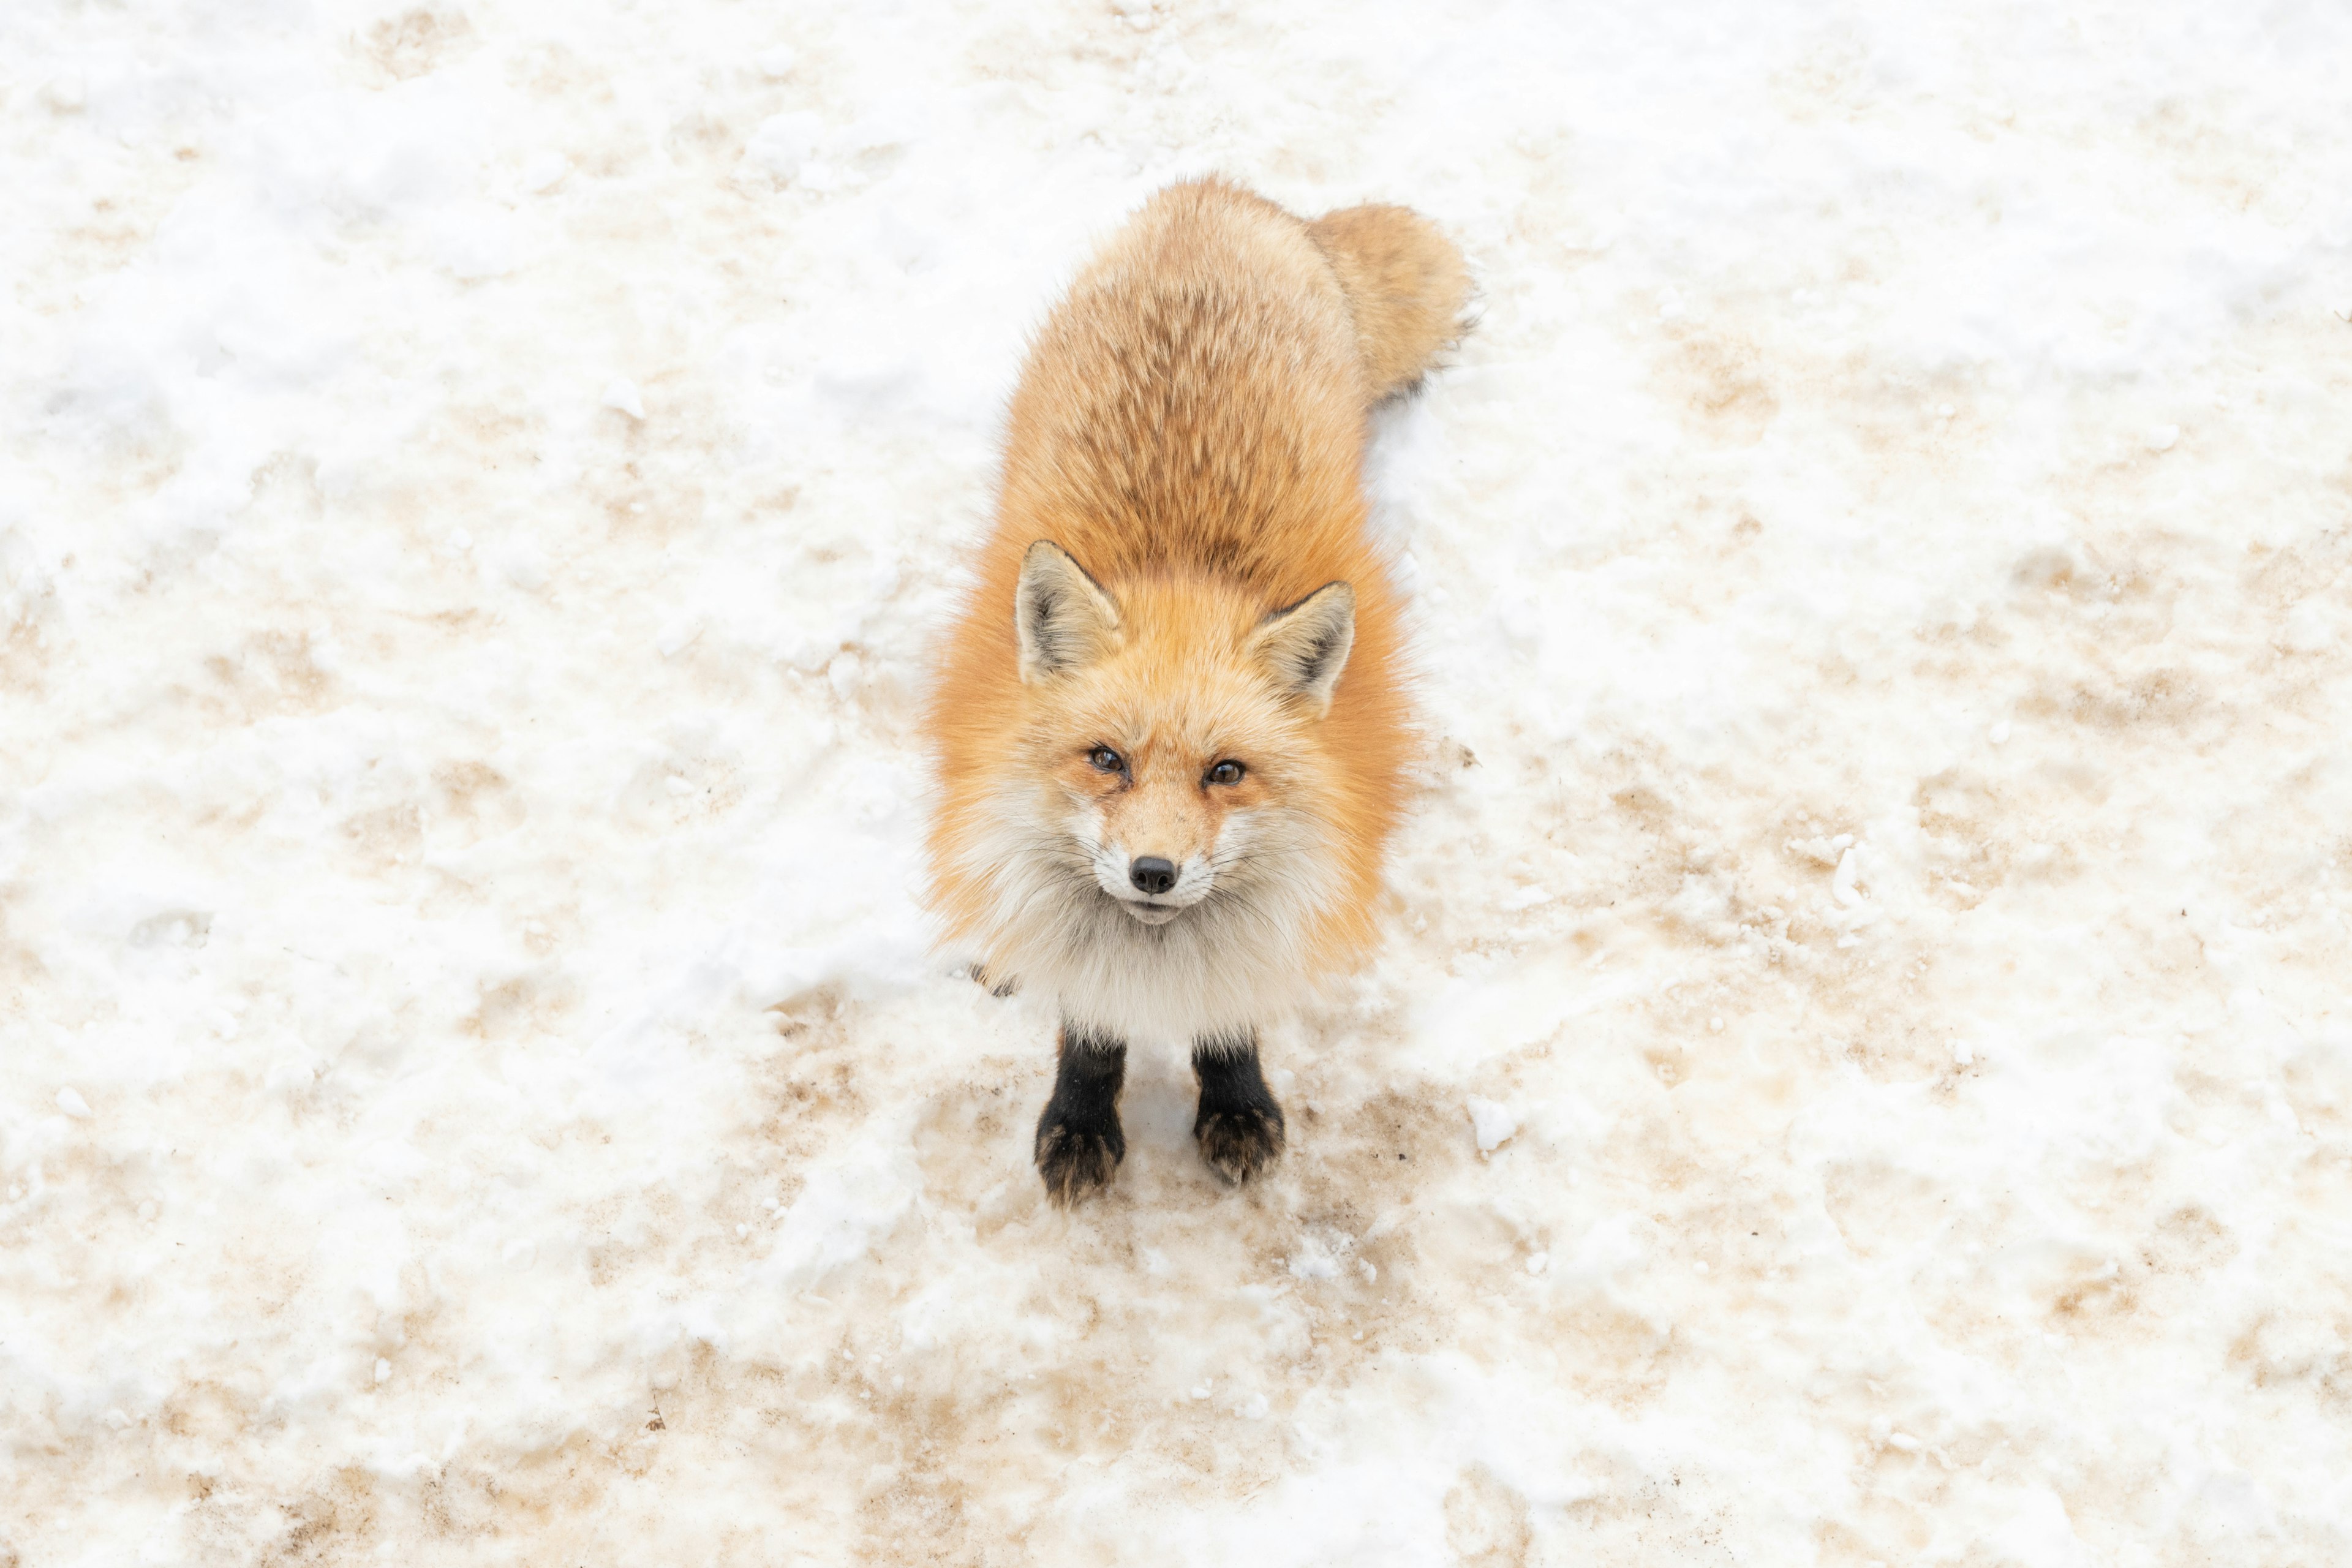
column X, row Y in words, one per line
column 1065, row 619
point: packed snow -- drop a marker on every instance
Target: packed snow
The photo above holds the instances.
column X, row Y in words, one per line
column 1861, row 1070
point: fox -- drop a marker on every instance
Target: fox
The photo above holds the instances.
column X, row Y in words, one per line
column 1171, row 723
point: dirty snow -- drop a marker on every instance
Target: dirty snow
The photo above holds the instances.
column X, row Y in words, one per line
column 480, row 482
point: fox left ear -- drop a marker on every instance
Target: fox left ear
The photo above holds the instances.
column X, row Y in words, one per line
column 1307, row 645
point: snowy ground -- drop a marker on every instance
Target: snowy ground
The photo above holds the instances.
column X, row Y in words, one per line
column 1863, row 1070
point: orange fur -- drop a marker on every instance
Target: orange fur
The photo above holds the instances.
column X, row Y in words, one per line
column 1190, row 427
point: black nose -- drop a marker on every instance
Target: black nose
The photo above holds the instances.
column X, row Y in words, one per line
column 1151, row 874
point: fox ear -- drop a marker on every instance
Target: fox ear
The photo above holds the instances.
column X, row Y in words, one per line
column 1307, row 645
column 1065, row 619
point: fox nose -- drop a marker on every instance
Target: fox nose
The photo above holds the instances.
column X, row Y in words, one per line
column 1151, row 874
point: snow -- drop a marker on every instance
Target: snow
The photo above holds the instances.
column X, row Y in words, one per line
column 481, row 479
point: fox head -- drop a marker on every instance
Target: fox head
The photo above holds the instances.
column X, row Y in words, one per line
column 1175, row 727
column 1166, row 805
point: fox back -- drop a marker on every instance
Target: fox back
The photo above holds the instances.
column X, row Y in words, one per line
column 1171, row 725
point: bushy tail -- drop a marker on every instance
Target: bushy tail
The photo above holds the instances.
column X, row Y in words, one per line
column 1406, row 285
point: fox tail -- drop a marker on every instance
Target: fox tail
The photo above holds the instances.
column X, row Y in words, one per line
column 1406, row 285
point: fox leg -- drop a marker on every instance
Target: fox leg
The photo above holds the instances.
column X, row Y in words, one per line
column 1079, row 1144
column 1239, row 1126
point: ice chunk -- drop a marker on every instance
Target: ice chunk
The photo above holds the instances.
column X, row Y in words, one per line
column 1844, row 880
column 1493, row 1122
column 620, row 392
column 785, row 142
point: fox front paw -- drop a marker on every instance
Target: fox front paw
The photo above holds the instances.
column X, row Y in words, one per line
column 1079, row 1144
column 1076, row 1157
column 1240, row 1141
column 1239, row 1126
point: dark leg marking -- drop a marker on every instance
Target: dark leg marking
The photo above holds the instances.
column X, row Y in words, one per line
column 995, row 987
column 1079, row 1144
column 1239, row 1126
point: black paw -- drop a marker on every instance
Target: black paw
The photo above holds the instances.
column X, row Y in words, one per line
column 1076, row 1159
column 1079, row 1144
column 1242, row 1142
column 1239, row 1126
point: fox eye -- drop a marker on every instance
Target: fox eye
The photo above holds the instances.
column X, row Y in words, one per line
column 1228, row 771
column 1107, row 761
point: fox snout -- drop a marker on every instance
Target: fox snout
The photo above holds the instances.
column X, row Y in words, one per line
column 1154, row 889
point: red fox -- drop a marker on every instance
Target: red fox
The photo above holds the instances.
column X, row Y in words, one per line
column 1170, row 728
